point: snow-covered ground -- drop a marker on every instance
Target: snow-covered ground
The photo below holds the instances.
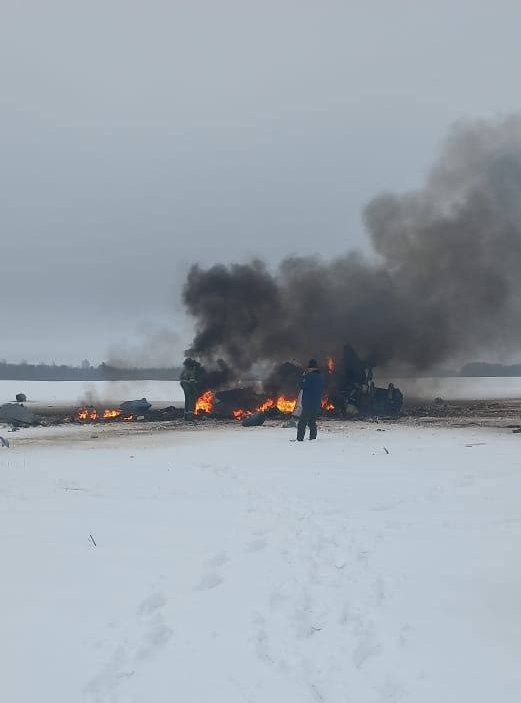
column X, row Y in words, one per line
column 78, row 392
column 460, row 388
column 234, row 566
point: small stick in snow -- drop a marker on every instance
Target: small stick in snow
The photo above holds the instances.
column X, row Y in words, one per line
column 4, row 442
column 93, row 540
column 386, row 450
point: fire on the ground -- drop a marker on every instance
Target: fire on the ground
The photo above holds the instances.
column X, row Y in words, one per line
column 349, row 391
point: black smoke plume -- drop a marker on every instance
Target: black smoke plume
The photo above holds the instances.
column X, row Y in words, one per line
column 444, row 279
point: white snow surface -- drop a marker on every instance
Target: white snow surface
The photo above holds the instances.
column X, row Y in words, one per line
column 234, row 566
column 79, row 392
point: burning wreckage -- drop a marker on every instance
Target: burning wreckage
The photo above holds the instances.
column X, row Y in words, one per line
column 350, row 392
column 19, row 415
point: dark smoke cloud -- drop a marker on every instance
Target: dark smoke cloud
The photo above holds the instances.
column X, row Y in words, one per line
column 444, row 279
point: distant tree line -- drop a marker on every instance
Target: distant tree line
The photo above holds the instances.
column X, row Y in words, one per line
column 103, row 372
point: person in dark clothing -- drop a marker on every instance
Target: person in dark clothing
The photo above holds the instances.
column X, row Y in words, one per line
column 192, row 383
column 312, row 385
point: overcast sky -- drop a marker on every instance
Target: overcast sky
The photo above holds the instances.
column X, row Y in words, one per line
column 139, row 137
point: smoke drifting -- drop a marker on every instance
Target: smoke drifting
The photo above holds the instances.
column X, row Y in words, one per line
column 444, row 279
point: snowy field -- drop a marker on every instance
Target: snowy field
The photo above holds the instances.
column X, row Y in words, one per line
column 232, row 566
column 78, row 392
column 460, row 388
column 56, row 393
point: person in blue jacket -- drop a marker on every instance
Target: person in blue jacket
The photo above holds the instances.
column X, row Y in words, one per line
column 312, row 385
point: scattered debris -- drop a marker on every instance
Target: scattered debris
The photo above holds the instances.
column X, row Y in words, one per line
column 517, row 431
column 351, row 411
column 254, row 420
column 289, row 423
column 4, row 442
column 135, row 407
column 16, row 414
column 21, row 398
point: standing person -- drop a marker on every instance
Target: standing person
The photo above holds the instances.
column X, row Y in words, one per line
column 191, row 383
column 312, row 385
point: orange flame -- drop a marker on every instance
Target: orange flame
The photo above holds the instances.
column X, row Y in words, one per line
column 204, row 404
column 286, row 405
column 111, row 413
column 85, row 414
column 283, row 404
column 90, row 414
column 266, row 405
column 326, row 405
column 330, row 364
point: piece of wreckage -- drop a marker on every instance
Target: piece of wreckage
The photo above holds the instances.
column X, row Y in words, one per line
column 135, row 407
column 17, row 415
column 127, row 411
column 350, row 392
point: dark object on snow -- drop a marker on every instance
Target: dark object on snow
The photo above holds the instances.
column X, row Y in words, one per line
column 162, row 414
column 308, row 418
column 21, row 398
column 255, row 420
column 386, row 401
column 4, row 442
column 229, row 400
column 135, row 407
column 516, row 431
column 238, row 397
column 16, row 414
column 352, row 386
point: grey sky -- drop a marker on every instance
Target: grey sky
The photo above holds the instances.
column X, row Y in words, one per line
column 138, row 137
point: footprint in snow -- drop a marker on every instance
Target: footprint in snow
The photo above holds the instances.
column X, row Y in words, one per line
column 152, row 604
column 212, row 578
column 367, row 647
column 209, row 581
column 219, row 559
column 152, row 635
